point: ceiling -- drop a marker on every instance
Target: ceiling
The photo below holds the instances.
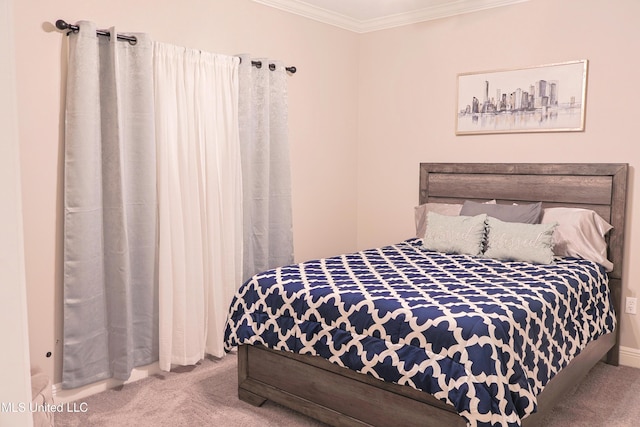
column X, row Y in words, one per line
column 363, row 16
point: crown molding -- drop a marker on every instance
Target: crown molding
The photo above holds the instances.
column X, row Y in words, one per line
column 313, row 12
column 438, row 11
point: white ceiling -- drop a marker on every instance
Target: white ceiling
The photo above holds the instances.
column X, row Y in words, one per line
column 362, row 16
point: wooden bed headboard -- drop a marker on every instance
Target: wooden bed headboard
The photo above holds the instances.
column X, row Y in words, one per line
column 601, row 187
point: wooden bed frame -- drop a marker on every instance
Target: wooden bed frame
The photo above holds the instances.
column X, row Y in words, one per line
column 340, row 397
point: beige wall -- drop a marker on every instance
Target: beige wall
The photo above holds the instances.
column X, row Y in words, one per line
column 364, row 111
column 407, row 108
column 14, row 358
column 322, row 99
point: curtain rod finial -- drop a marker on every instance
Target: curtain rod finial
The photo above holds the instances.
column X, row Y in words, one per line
column 61, row 24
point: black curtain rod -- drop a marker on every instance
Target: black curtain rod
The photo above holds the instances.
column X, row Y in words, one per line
column 62, row 25
column 272, row 67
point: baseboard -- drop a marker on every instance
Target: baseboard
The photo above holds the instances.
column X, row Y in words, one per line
column 61, row 395
column 630, row 357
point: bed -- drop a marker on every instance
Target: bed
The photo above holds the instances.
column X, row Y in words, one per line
column 327, row 391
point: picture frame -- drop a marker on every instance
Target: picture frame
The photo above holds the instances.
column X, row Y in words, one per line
column 544, row 98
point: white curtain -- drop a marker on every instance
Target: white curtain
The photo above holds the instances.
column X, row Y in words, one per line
column 110, row 282
column 200, row 199
column 266, row 170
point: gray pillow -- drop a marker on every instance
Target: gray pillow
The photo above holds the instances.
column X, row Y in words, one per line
column 528, row 214
column 455, row 234
column 520, row 242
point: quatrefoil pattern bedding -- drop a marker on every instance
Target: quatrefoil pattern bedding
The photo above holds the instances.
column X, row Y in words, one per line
column 481, row 334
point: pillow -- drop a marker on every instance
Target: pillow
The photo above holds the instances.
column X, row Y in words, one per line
column 421, row 211
column 455, row 234
column 580, row 233
column 519, row 242
column 451, row 209
column 528, row 214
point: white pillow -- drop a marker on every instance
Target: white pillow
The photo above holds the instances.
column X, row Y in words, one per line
column 580, row 233
column 421, row 211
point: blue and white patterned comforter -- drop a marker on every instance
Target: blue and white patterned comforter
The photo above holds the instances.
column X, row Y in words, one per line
column 482, row 335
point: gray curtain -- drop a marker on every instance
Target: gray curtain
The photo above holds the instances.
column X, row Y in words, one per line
column 266, row 170
column 110, row 277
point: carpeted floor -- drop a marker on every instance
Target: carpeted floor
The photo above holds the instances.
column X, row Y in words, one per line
column 206, row 395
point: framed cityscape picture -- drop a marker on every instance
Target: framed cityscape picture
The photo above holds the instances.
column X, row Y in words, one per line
column 545, row 98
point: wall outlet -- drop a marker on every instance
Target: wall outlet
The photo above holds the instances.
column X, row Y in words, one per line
column 631, row 303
